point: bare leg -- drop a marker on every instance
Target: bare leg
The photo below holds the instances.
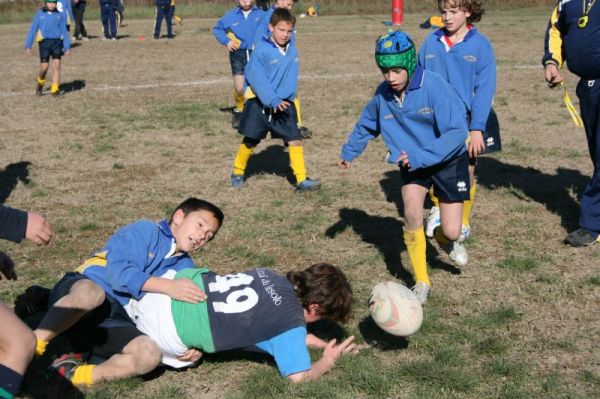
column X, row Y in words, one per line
column 238, row 84
column 84, row 296
column 17, row 342
column 451, row 217
column 139, row 357
column 413, row 197
column 43, row 70
column 55, row 72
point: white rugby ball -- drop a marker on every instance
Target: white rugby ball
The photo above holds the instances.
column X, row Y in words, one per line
column 395, row 309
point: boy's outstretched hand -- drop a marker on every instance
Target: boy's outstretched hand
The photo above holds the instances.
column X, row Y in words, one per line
column 39, row 230
column 332, row 351
column 344, row 164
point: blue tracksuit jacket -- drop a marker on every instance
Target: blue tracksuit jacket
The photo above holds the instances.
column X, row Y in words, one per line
column 470, row 68
column 65, row 7
column 48, row 25
column 272, row 73
column 429, row 125
column 131, row 256
column 243, row 28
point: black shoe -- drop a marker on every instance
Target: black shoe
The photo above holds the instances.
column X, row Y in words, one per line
column 33, row 300
column 235, row 119
column 305, row 132
column 171, row 37
column 582, row 238
column 38, row 89
column 156, row 37
column 57, row 93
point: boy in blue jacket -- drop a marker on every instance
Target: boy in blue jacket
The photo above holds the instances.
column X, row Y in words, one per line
column 49, row 29
column 272, row 74
column 423, row 124
column 128, row 267
column 464, row 57
column 236, row 31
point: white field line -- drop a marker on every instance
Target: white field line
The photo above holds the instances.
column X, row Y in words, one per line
column 227, row 80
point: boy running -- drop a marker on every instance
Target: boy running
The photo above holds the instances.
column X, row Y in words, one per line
column 464, row 57
column 423, row 124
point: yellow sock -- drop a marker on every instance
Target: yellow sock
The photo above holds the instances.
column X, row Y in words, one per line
column 54, row 87
column 417, row 247
column 41, row 81
column 239, row 101
column 241, row 159
column 298, row 111
column 40, row 346
column 440, row 237
column 297, row 162
column 433, row 198
column 83, row 375
column 468, row 205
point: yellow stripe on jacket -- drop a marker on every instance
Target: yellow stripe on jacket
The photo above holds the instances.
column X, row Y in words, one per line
column 99, row 259
column 555, row 40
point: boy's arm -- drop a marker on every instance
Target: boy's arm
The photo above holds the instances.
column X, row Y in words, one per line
column 367, row 128
column 257, row 76
column 220, row 31
column 181, row 289
column 553, row 51
column 331, row 353
column 484, row 89
column 32, row 31
column 65, row 34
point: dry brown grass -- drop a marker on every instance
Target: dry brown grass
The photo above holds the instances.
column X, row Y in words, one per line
column 146, row 132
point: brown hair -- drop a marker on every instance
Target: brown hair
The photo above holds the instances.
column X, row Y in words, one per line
column 194, row 204
column 324, row 285
column 282, row 14
column 475, row 7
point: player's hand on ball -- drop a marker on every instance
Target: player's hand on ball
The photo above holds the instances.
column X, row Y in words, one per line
column 185, row 290
column 191, row 355
column 344, row 164
column 476, row 144
column 7, row 267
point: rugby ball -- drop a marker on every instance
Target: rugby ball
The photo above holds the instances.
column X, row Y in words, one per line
column 395, row 309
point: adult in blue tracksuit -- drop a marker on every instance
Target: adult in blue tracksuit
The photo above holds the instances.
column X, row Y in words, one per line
column 108, row 16
column 423, row 124
column 164, row 9
column 573, row 35
column 236, row 30
column 49, row 29
column 127, row 267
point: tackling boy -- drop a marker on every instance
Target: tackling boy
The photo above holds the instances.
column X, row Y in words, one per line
column 423, row 124
column 49, row 29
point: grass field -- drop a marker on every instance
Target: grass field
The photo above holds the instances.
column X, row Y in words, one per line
column 142, row 127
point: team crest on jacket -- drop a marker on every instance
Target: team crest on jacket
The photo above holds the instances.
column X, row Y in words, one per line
column 425, row 111
column 470, row 58
column 429, row 56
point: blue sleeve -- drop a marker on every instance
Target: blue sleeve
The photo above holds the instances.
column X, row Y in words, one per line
column 220, row 30
column 484, row 89
column 289, row 350
column 261, row 30
column 257, row 76
column 367, row 128
column 32, row 31
column 13, row 224
column 126, row 259
column 65, row 33
column 451, row 120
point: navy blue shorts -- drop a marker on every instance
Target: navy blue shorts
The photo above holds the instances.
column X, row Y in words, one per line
column 450, row 179
column 238, row 60
column 102, row 332
column 50, row 48
column 491, row 136
column 257, row 121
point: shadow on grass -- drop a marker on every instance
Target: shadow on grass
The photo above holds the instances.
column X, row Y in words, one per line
column 227, row 110
column 10, row 177
column 529, row 184
column 75, row 85
column 272, row 160
column 375, row 336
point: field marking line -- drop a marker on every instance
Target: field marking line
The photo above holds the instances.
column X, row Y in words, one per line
column 227, row 80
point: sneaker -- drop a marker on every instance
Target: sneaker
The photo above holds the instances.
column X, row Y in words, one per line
column 433, row 221
column 57, row 93
column 38, row 89
column 457, row 252
column 65, row 365
column 582, row 238
column 113, row 38
column 235, row 119
column 421, row 291
column 33, row 300
column 170, row 36
column 85, row 39
column 105, row 39
column 308, row 185
column 465, row 232
column 73, row 39
column 155, row 37
column 238, row 181
column 305, row 132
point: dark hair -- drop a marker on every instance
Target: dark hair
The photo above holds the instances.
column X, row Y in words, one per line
column 475, row 7
column 324, row 285
column 282, row 14
column 194, row 204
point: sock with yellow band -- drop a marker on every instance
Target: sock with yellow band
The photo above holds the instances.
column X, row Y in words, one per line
column 54, row 88
column 40, row 346
column 298, row 111
column 239, row 101
column 433, row 198
column 83, row 375
column 41, row 81
column 297, row 162
column 416, row 246
column 241, row 159
column 468, row 206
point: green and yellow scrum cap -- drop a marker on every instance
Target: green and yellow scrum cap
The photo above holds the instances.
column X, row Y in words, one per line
column 396, row 50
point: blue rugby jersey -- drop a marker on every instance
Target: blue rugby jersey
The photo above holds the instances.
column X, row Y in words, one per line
column 470, row 68
column 48, row 25
column 578, row 46
column 430, row 125
column 243, row 28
